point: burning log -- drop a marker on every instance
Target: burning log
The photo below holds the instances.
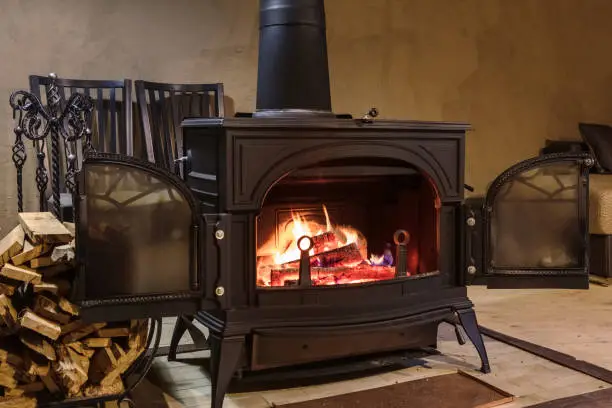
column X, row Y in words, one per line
column 322, row 242
column 46, row 351
column 337, row 275
column 349, row 254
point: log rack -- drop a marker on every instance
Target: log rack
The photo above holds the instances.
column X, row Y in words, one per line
column 65, row 125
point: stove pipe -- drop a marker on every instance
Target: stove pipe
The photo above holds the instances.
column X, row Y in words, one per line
column 293, row 74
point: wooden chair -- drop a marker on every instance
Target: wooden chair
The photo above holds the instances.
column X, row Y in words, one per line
column 162, row 107
column 112, row 124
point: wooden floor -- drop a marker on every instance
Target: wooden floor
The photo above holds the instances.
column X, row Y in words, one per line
column 574, row 322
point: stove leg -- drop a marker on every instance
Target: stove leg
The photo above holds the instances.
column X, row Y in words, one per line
column 224, row 360
column 184, row 323
column 467, row 318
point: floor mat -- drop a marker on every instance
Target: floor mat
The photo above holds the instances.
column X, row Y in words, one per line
column 457, row 390
column 596, row 399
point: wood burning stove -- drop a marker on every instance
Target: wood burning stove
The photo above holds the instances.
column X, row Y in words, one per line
column 296, row 235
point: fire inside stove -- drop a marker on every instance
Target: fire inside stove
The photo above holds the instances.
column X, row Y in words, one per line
column 337, row 254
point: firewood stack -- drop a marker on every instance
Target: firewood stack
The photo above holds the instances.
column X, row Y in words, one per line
column 46, row 351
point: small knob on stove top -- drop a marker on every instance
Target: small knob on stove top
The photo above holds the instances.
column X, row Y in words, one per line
column 372, row 113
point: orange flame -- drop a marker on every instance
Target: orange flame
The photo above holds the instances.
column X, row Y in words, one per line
column 282, row 249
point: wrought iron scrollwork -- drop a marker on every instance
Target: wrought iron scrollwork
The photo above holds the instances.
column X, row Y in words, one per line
column 61, row 125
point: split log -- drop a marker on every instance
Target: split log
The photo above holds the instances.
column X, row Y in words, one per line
column 37, row 343
column 44, row 227
column 42, row 262
column 22, row 389
column 17, row 402
column 29, row 252
column 71, row 369
column 114, row 332
column 35, row 364
column 82, row 348
column 8, row 314
column 82, row 332
column 45, row 287
column 70, row 226
column 97, row 342
column 10, row 356
column 118, row 351
column 63, row 253
column 138, row 333
column 68, row 307
column 11, row 244
column 72, row 326
column 7, row 288
column 40, row 325
column 8, row 375
column 48, row 309
column 115, row 388
column 102, row 363
column 20, row 273
column 51, row 382
column 126, row 359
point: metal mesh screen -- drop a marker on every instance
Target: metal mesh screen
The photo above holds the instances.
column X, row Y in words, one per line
column 535, row 221
column 138, row 236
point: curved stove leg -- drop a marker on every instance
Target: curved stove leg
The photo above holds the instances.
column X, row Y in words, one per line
column 224, row 360
column 467, row 318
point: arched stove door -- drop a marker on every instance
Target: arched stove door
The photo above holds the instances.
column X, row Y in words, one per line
column 535, row 225
column 138, row 241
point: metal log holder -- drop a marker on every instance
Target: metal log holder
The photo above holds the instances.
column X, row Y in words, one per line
column 64, row 124
column 131, row 378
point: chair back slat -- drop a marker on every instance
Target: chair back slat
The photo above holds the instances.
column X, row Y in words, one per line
column 100, row 116
column 162, row 107
column 114, row 143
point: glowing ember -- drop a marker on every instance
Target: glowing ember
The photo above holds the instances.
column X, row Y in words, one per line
column 339, row 255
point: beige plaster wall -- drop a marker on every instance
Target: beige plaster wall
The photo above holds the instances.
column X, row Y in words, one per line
column 520, row 71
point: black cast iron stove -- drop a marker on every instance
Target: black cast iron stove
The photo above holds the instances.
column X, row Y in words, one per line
column 296, row 235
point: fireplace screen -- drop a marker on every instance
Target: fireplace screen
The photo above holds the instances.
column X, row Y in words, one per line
column 350, row 224
column 136, row 230
column 536, row 213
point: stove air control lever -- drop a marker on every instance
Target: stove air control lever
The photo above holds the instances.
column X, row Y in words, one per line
column 401, row 239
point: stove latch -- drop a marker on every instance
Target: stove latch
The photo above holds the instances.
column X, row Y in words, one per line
column 180, row 166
